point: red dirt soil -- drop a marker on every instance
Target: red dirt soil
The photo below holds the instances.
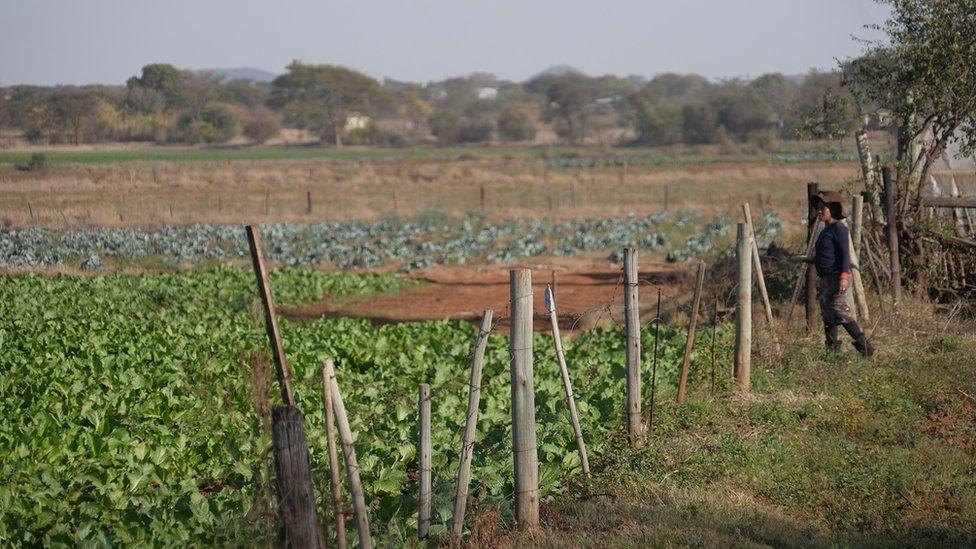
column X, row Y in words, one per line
column 586, row 295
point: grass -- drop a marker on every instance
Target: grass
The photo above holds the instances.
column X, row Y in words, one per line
column 826, row 451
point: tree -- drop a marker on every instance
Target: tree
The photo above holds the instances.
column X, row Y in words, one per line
column 567, row 96
column 699, row 124
column 518, row 121
column 657, row 121
column 166, row 80
column 322, row 97
column 924, row 76
column 261, row 129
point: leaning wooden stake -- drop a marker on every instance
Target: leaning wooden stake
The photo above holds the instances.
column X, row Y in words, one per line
column 426, row 449
column 802, row 274
column 690, row 340
column 352, row 465
column 334, row 474
column 567, row 384
column 526, row 457
column 632, row 317
column 743, row 311
column 270, row 319
column 657, row 332
column 714, row 334
column 470, row 427
column 757, row 265
column 293, row 477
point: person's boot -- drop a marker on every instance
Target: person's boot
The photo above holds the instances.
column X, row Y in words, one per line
column 861, row 342
column 831, row 340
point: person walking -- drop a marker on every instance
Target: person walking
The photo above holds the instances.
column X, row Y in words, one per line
column 832, row 258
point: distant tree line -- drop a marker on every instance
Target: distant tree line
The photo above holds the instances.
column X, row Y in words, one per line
column 341, row 106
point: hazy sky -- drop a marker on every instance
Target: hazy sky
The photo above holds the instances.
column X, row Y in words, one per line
column 106, row 41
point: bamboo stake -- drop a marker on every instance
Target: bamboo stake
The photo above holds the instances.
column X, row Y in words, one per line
column 470, row 428
column 714, row 333
column 567, row 384
column 853, row 242
column 690, row 340
column 657, row 330
column 423, row 505
column 757, row 264
column 335, row 475
column 352, row 465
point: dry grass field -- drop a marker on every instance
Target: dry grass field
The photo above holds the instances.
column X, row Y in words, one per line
column 163, row 193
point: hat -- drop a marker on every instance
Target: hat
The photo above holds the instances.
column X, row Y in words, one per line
column 828, row 198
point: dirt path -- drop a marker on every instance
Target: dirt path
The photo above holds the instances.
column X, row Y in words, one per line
column 585, row 296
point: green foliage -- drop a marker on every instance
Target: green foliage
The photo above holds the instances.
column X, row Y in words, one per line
column 134, row 413
column 518, row 121
column 36, row 162
column 321, row 97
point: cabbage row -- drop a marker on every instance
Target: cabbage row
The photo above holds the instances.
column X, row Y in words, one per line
column 427, row 240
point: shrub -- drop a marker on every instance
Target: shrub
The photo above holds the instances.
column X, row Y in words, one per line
column 261, row 129
column 36, row 162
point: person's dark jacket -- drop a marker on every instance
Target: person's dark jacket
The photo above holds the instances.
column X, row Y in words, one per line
column 832, row 254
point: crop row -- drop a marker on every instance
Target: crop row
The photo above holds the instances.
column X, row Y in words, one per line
column 427, row 240
column 137, row 407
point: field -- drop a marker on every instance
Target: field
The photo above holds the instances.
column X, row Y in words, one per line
column 135, row 375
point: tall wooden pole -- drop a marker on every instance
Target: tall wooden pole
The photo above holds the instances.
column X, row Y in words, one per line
column 470, row 428
column 632, row 317
column 567, row 383
column 811, row 275
column 426, row 449
column 743, row 311
column 334, row 474
column 352, row 464
column 892, row 230
column 526, row 456
column 690, row 340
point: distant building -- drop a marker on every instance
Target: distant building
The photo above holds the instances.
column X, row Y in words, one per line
column 357, row 122
column 487, row 93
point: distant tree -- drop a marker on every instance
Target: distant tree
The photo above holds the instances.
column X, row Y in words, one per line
column 215, row 123
column 321, row 97
column 699, row 124
column 657, row 120
column 518, row 121
column 165, row 79
column 470, row 125
column 740, row 109
column 567, row 97
column 416, row 109
column 244, row 92
column 677, row 86
column 261, row 129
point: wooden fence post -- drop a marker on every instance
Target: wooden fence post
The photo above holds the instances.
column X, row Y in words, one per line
column 714, row 334
column 526, row 455
column 567, row 383
column 426, row 449
column 632, row 317
column 802, row 274
column 293, row 477
column 743, row 312
column 690, row 340
column 352, row 465
column 334, row 474
column 308, row 201
column 811, row 279
column 889, row 202
column 470, row 428
column 757, row 265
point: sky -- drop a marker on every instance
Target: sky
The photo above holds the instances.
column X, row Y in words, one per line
column 48, row 42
